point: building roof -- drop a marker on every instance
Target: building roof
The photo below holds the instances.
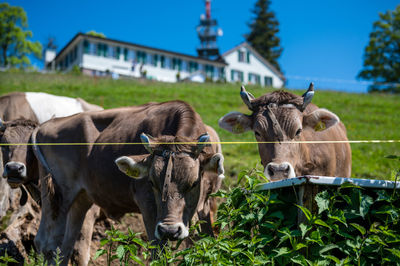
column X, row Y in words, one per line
column 220, row 60
column 257, row 54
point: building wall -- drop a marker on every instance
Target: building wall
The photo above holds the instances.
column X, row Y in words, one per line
column 99, row 58
column 254, row 66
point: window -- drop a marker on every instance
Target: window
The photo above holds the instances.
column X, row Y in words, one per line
column 131, row 55
column 126, row 54
column 102, row 49
column 155, row 60
column 254, row 79
column 93, row 49
column 162, row 61
column 248, row 57
column 240, row 56
column 236, row 75
column 193, row 66
column 222, row 73
column 86, row 46
column 117, row 52
column 141, row 57
column 185, row 66
column 176, row 64
column 268, row 81
column 209, row 71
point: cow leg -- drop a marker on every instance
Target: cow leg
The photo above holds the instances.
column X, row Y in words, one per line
column 144, row 198
column 75, row 218
column 81, row 253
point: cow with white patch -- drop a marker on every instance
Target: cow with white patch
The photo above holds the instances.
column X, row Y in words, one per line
column 166, row 179
column 283, row 123
column 23, row 112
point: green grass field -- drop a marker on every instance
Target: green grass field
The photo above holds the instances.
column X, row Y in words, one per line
column 366, row 116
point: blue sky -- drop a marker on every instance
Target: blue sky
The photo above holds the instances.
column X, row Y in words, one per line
column 323, row 41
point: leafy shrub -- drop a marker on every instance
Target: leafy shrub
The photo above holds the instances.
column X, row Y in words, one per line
column 350, row 226
column 121, row 247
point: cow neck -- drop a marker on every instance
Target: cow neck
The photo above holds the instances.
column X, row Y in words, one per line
column 275, row 124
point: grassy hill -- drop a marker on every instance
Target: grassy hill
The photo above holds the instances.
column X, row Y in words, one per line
column 366, row 116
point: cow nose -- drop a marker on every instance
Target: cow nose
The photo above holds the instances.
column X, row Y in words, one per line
column 14, row 169
column 171, row 231
column 276, row 171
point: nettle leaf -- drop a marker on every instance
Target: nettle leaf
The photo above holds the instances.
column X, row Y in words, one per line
column 334, row 259
column 327, row 248
column 306, row 212
column 304, row 229
column 359, row 228
column 322, row 199
column 120, row 252
column 99, row 253
column 320, row 222
column 282, row 251
column 299, row 259
column 277, row 214
column 395, row 252
column 366, row 202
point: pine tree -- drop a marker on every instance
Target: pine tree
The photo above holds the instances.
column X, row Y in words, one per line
column 263, row 36
column 382, row 54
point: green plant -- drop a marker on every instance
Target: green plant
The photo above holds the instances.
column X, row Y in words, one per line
column 352, row 226
column 5, row 259
column 123, row 247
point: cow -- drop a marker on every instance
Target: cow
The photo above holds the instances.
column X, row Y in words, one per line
column 283, row 123
column 37, row 107
column 40, row 106
column 25, row 111
column 163, row 175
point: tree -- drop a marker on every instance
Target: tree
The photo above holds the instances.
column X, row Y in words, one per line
column 382, row 54
column 14, row 44
column 96, row 34
column 263, row 36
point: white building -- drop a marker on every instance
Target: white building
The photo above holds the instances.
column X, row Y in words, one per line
column 247, row 66
column 103, row 56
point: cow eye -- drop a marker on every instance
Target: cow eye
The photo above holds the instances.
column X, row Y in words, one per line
column 298, row 132
column 195, row 183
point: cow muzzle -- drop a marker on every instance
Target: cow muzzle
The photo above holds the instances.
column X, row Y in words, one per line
column 275, row 172
column 15, row 172
column 171, row 231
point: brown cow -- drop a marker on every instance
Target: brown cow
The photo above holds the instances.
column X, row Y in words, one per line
column 37, row 107
column 168, row 181
column 20, row 164
column 284, row 119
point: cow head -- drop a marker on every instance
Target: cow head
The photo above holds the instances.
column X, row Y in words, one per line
column 278, row 120
column 18, row 158
column 174, row 167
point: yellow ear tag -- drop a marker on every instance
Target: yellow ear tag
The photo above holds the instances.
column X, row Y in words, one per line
column 135, row 173
column 238, row 128
column 320, row 126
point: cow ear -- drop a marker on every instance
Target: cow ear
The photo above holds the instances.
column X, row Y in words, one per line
column 216, row 165
column 147, row 141
column 320, row 119
column 131, row 168
column 235, row 122
column 2, row 126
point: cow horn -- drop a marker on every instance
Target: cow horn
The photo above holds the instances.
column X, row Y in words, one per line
column 202, row 142
column 146, row 142
column 247, row 97
column 307, row 96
